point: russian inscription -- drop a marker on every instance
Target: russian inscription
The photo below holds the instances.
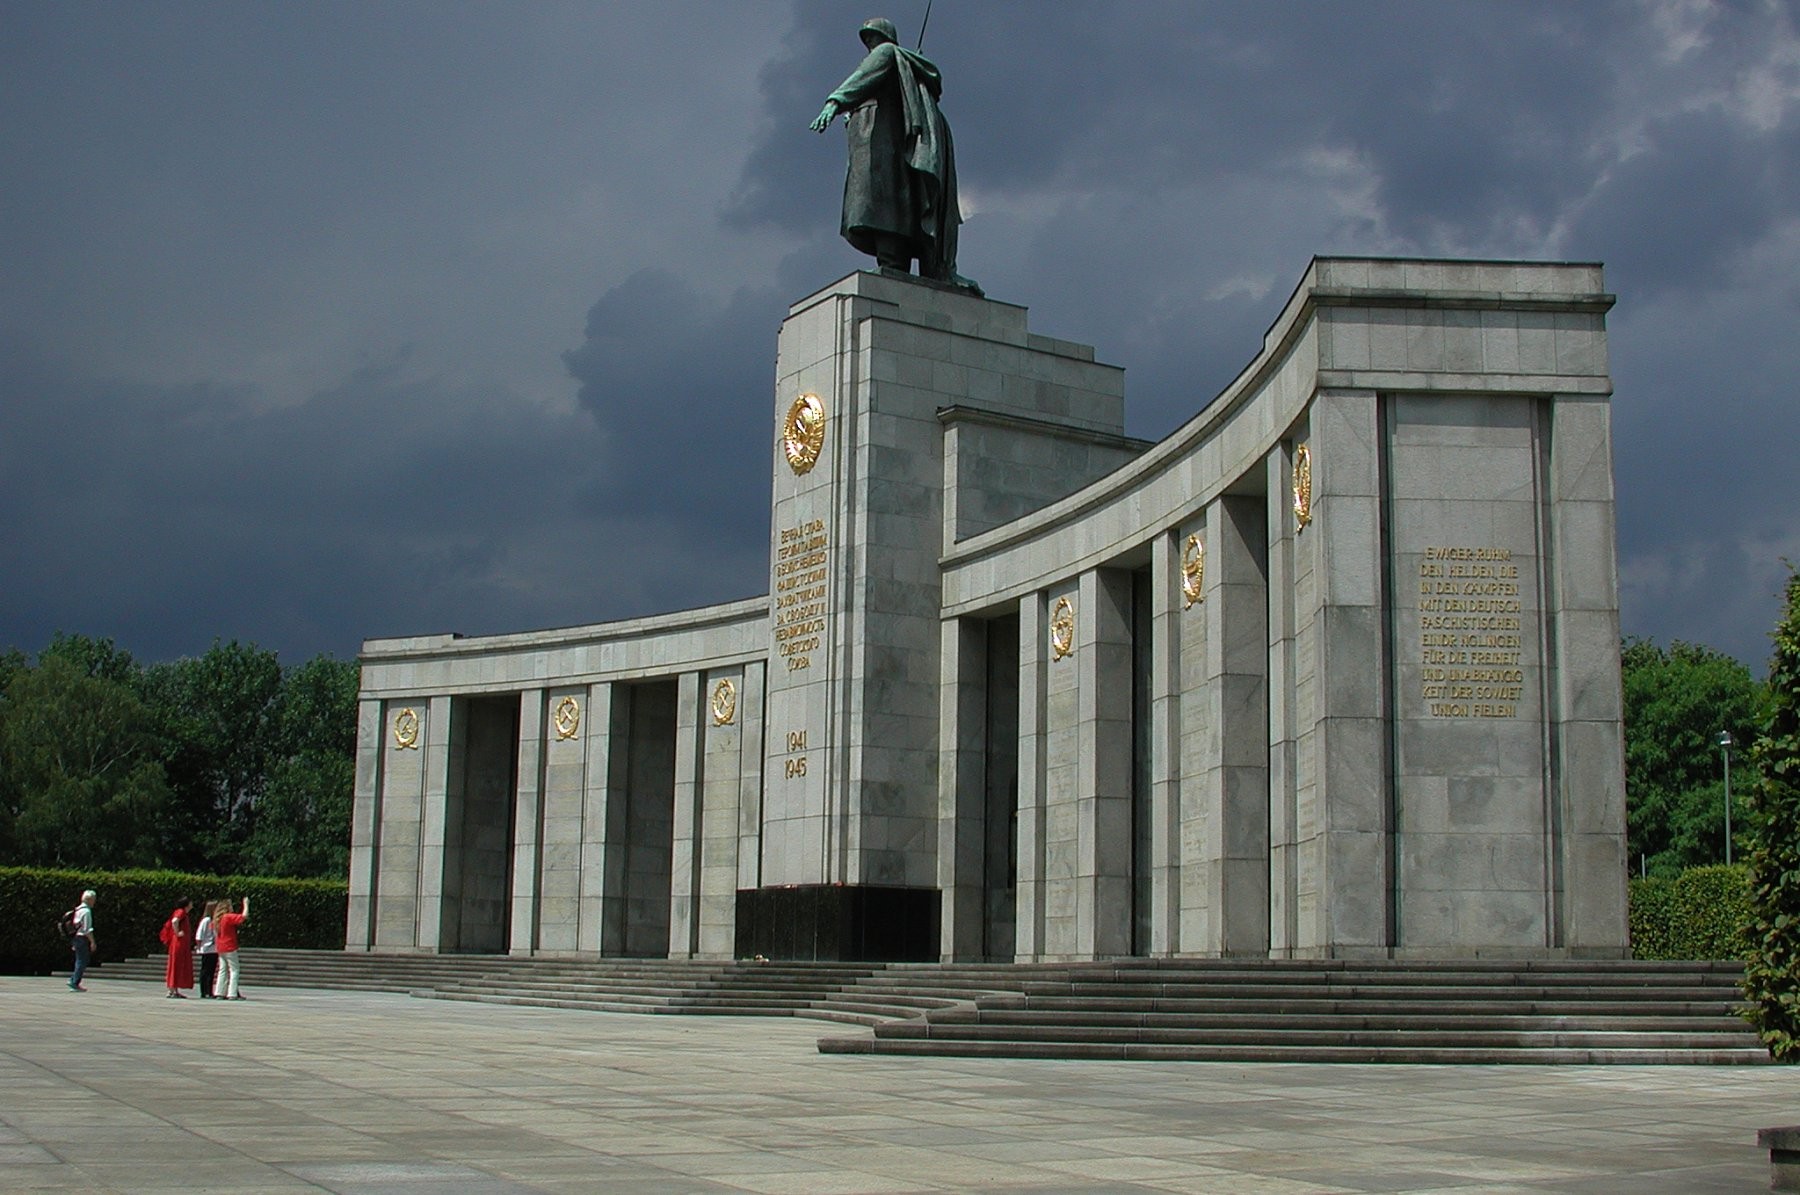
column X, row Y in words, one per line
column 1470, row 639
column 800, row 592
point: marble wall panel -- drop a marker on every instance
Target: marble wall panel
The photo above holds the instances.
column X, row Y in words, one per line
column 401, row 811
column 1469, row 675
column 564, row 809
column 365, row 821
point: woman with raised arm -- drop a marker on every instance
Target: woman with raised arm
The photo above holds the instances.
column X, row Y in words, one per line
column 225, row 941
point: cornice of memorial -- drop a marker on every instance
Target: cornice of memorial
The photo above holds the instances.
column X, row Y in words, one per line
column 745, row 612
column 962, row 413
column 1327, row 284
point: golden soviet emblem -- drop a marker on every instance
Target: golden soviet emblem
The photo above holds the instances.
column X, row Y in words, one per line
column 724, row 703
column 406, row 729
column 803, row 433
column 1062, row 628
column 567, row 717
column 1193, row 572
column 1302, row 487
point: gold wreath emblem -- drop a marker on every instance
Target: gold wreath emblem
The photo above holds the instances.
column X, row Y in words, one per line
column 567, row 717
column 1062, row 628
column 724, row 703
column 1302, row 488
column 1193, row 572
column 803, row 433
column 406, row 729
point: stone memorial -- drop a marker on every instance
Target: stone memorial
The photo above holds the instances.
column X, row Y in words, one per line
column 1332, row 671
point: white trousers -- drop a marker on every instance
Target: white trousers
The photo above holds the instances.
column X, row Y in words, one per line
column 226, row 984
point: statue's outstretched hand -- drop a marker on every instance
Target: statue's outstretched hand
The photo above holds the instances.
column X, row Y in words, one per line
column 827, row 114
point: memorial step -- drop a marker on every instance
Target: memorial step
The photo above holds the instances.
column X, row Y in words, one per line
column 1148, row 1052
column 1542, row 1011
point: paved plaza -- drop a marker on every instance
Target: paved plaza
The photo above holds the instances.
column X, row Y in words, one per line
column 120, row 1089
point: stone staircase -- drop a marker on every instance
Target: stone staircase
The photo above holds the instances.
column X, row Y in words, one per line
column 332, row 969
column 1348, row 1011
column 863, row 994
column 1172, row 1009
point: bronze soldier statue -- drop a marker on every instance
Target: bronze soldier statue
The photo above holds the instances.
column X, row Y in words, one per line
column 900, row 187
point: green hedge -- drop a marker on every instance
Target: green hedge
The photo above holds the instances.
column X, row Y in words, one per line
column 1702, row 913
column 130, row 908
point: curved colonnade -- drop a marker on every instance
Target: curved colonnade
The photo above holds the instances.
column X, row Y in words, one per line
column 1331, row 671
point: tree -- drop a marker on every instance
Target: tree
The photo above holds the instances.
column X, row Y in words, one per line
column 12, row 663
column 221, row 763
column 1772, row 972
column 1676, row 703
column 303, row 818
column 93, row 657
column 302, row 822
column 81, row 782
column 218, row 713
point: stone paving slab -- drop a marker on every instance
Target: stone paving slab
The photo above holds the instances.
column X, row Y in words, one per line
column 118, row 1089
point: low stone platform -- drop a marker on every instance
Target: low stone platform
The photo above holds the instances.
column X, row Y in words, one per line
column 1546, row 1012
column 293, row 1090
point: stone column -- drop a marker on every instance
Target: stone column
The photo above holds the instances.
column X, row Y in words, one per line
column 612, row 775
column 1062, row 780
column 1351, row 735
column 962, row 795
column 522, row 937
column 401, row 808
column 1583, row 605
column 442, row 787
column 1231, row 812
column 1196, row 747
column 604, row 744
column 684, row 861
column 365, row 829
column 1103, row 764
column 722, row 758
column 1164, row 741
column 564, row 792
column 750, row 778
column 1284, row 715
column 1033, row 777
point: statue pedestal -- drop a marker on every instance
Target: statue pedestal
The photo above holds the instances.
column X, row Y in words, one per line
column 878, row 378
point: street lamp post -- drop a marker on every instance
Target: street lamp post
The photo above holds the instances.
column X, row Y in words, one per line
column 1725, row 750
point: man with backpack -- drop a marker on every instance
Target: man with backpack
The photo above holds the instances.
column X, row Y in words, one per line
column 81, row 940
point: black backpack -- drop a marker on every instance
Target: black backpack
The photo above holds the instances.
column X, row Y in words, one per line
column 65, row 926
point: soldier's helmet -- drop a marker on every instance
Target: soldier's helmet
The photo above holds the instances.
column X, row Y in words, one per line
column 876, row 30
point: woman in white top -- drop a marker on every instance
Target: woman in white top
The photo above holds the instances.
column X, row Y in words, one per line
column 209, row 955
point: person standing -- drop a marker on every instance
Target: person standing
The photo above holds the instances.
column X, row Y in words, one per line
column 209, row 955
column 225, row 941
column 83, row 941
column 177, row 935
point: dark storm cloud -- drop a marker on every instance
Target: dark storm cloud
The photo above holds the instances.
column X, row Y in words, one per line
column 338, row 320
column 1142, row 94
column 1684, row 210
column 380, row 506
column 1140, row 171
column 684, row 382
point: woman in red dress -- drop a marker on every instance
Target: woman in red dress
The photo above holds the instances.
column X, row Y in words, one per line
column 178, row 936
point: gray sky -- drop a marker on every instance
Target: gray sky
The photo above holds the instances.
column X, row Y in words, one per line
column 335, row 319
